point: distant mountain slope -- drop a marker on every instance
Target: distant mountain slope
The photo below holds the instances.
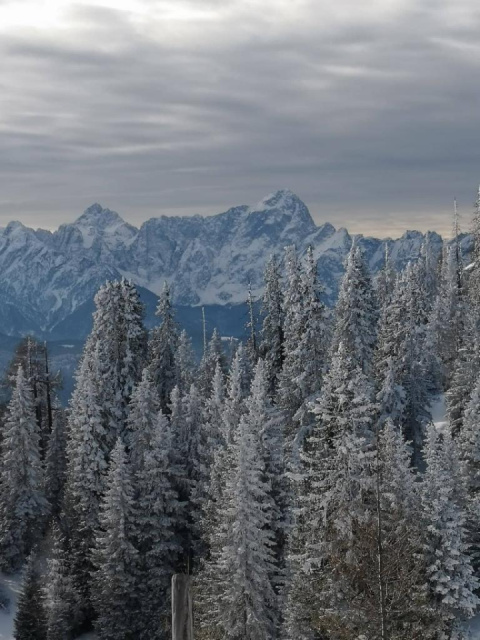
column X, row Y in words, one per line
column 48, row 279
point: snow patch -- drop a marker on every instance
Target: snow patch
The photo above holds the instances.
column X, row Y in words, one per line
column 438, row 410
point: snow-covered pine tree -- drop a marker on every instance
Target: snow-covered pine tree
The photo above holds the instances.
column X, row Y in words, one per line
column 61, row 599
column 158, row 521
column 198, row 460
column 56, row 460
column 392, row 570
column 356, row 312
column 184, row 362
column 468, row 444
column 213, row 355
column 428, row 271
column 267, row 421
column 332, row 494
column 134, row 339
column 449, row 570
column 115, row 582
column 238, row 386
column 23, row 506
column 446, row 319
column 252, row 346
column 402, row 342
column 272, row 334
column 288, row 393
column 33, row 356
column 190, row 458
column 30, row 618
column 117, row 342
column 465, row 372
column 232, row 408
column 347, row 401
column 327, row 549
column 213, row 414
column 237, row 596
column 315, row 335
column 142, row 419
column 86, row 474
column 388, row 345
column 305, row 364
column 391, row 396
column 163, row 346
column 474, row 271
column 385, row 281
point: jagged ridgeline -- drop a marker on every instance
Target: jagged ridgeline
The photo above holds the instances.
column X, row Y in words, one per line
column 48, row 279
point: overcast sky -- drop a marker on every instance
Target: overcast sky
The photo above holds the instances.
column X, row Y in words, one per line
column 370, row 112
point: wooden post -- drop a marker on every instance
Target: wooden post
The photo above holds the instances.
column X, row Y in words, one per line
column 182, row 610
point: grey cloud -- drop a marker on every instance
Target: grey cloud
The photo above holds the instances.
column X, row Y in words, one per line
column 373, row 122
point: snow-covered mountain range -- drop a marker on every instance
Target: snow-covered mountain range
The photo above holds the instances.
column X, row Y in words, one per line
column 48, row 277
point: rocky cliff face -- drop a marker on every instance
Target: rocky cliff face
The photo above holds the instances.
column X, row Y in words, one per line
column 46, row 277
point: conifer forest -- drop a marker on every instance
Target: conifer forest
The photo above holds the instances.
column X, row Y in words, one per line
column 297, row 476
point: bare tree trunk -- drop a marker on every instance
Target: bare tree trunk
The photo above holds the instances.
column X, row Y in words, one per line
column 182, row 610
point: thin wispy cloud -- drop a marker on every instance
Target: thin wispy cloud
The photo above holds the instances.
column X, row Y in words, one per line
column 370, row 113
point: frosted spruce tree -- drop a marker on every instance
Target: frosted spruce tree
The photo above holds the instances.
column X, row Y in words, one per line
column 237, row 389
column 33, row 357
column 114, row 585
column 238, row 597
column 468, row 443
column 142, row 419
column 263, row 418
column 158, row 521
column 232, row 408
column 214, row 407
column 214, row 354
column 56, row 460
column 252, row 346
column 332, row 491
column 272, row 333
column 87, row 464
column 356, row 312
column 402, row 345
column 385, row 281
column 164, row 342
column 118, row 342
column 474, row 272
column 449, row 570
column 288, row 394
column 391, row 396
column 446, row 322
column 61, row 599
column 395, row 603
column 30, row 618
column 23, row 506
column 465, row 372
column 305, row 363
column 184, row 362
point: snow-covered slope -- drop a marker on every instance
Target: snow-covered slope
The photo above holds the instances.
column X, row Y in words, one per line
column 45, row 277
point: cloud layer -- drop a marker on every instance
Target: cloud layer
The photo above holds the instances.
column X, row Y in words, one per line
column 369, row 113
